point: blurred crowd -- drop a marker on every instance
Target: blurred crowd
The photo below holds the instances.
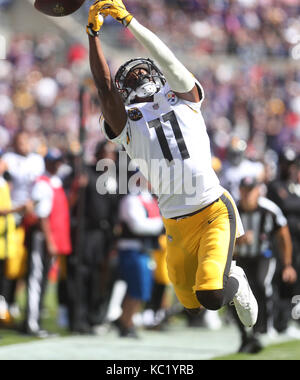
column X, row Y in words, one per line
column 257, row 100
column 252, row 112
column 251, row 29
column 39, row 91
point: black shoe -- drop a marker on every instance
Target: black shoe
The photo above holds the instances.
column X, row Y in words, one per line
column 42, row 334
column 82, row 329
column 250, row 346
column 129, row 333
column 125, row 332
column 163, row 326
column 38, row 333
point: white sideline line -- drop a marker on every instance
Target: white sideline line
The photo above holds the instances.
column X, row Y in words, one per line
column 180, row 343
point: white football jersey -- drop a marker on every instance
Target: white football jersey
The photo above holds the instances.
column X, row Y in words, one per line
column 24, row 170
column 168, row 140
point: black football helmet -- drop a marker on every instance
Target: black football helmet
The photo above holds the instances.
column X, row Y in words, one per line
column 140, row 84
column 236, row 151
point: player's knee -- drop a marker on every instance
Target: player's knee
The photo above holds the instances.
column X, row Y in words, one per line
column 210, row 299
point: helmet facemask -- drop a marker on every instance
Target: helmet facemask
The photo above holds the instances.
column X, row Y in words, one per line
column 139, row 78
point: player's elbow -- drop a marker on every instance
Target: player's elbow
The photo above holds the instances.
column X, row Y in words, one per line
column 104, row 87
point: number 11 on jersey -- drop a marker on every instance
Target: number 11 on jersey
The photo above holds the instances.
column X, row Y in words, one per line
column 157, row 125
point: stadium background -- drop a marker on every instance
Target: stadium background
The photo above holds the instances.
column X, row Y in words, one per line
column 232, row 45
column 245, row 53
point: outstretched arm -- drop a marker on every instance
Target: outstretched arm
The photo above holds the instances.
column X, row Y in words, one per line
column 110, row 100
column 178, row 77
column 286, row 248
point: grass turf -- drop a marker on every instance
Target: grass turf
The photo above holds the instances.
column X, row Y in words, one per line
column 12, row 335
column 283, row 351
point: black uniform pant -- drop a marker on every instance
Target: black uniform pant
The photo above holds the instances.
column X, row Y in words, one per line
column 39, row 262
column 285, row 292
column 260, row 272
column 89, row 281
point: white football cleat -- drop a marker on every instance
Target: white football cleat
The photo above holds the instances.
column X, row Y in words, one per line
column 244, row 300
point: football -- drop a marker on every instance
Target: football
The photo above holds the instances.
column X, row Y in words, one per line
column 58, row 8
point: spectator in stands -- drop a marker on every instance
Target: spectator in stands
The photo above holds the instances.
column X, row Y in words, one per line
column 48, row 238
column 35, row 92
column 242, row 28
column 265, row 228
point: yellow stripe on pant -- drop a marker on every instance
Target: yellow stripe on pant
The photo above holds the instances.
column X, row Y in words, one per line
column 8, row 248
column 16, row 266
column 161, row 273
column 200, row 249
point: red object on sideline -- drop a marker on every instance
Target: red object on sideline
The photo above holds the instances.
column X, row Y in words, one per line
column 60, row 219
column 151, row 207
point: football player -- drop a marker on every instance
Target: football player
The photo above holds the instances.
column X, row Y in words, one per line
column 154, row 111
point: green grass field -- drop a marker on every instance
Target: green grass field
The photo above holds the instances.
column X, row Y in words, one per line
column 283, row 351
column 12, row 336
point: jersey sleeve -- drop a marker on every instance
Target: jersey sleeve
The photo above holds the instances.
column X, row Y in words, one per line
column 7, row 158
column 197, row 106
column 133, row 213
column 280, row 219
column 108, row 133
column 278, row 216
column 38, row 165
column 194, row 105
column 42, row 196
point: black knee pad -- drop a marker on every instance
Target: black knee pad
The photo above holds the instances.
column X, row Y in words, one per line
column 211, row 299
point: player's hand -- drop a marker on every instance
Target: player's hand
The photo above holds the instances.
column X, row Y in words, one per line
column 95, row 20
column 115, row 9
column 52, row 250
column 289, row 275
column 29, row 207
column 247, row 238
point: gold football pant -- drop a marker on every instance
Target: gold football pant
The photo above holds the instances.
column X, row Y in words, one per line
column 16, row 266
column 200, row 249
column 159, row 256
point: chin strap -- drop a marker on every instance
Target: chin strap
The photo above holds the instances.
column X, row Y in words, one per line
column 146, row 90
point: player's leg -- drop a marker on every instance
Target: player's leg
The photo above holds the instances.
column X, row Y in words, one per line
column 214, row 288
column 187, row 273
column 219, row 281
column 38, row 267
column 183, row 239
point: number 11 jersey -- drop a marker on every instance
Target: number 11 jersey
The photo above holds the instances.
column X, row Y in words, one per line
column 168, row 140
